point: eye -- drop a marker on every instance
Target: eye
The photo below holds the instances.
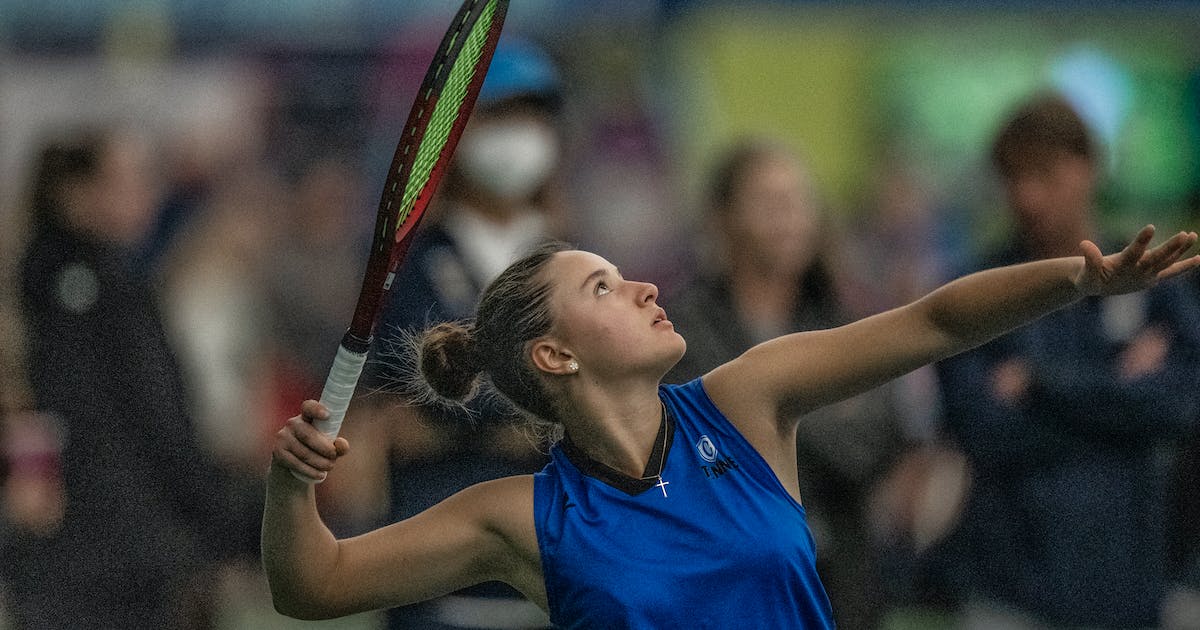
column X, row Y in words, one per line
column 602, row 288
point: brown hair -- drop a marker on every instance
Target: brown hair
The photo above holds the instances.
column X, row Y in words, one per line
column 61, row 162
column 1041, row 128
column 729, row 175
column 727, row 181
column 514, row 310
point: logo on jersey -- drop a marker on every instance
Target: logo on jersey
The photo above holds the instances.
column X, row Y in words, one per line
column 708, row 452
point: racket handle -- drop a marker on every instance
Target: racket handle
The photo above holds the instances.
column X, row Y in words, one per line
column 339, row 389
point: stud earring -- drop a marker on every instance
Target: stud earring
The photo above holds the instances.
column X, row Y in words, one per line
column 573, row 366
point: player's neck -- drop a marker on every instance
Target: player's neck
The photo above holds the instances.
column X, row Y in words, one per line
column 617, row 431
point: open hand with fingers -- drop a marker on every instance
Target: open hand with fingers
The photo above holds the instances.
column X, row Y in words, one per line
column 1136, row 267
column 302, row 449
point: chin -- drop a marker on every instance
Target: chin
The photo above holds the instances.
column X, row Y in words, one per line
column 676, row 356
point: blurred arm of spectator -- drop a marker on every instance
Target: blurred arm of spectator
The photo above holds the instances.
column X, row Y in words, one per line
column 1157, row 361
column 983, row 412
column 31, row 495
column 31, row 492
column 385, row 433
column 30, row 449
column 994, row 388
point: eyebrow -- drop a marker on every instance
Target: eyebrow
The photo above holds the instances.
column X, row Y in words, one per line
column 599, row 273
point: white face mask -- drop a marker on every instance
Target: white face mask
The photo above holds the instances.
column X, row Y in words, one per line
column 508, row 159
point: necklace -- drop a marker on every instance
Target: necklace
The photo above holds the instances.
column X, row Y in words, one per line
column 662, row 460
column 619, row 480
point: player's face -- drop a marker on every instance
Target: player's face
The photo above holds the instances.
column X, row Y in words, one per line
column 612, row 325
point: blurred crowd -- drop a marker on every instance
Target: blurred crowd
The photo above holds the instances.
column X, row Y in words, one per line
column 169, row 304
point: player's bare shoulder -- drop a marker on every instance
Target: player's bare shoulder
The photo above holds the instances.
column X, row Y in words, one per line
column 505, row 508
column 506, row 505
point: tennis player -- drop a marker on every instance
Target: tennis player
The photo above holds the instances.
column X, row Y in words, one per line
column 664, row 506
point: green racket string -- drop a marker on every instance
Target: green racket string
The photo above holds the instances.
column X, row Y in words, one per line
column 445, row 111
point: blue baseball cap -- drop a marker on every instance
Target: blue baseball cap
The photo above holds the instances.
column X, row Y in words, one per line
column 521, row 70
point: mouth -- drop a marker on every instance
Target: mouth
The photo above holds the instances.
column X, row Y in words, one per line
column 660, row 318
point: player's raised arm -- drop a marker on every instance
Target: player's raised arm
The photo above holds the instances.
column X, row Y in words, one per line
column 810, row 369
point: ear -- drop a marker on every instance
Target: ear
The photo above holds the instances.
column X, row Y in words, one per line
column 550, row 356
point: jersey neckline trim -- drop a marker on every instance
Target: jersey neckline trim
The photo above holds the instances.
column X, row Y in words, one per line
column 611, row 476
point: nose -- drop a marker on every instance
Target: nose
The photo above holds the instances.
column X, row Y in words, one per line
column 647, row 293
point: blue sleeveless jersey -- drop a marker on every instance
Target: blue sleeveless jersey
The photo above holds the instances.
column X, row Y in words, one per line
column 720, row 545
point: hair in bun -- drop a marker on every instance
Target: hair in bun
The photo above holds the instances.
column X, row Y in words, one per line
column 449, row 361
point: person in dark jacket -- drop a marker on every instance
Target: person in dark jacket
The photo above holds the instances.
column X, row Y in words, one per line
column 1069, row 423
column 142, row 505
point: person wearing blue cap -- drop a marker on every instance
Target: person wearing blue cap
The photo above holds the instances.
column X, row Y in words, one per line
column 499, row 198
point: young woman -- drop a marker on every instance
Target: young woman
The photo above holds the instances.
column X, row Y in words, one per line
column 663, row 506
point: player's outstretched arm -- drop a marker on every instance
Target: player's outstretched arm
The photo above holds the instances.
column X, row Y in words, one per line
column 806, row 370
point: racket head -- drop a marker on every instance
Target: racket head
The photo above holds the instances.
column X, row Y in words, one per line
column 435, row 123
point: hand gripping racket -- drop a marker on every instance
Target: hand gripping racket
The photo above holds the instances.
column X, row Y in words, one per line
column 436, row 121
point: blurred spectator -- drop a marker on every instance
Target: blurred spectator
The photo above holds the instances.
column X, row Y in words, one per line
column 316, row 270
column 1069, row 423
column 216, row 307
column 143, row 508
column 905, row 221
column 902, row 248
column 773, row 276
column 500, row 197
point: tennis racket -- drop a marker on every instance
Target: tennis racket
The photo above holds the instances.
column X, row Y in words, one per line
column 434, row 125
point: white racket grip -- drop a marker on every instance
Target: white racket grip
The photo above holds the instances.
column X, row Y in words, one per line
column 339, row 390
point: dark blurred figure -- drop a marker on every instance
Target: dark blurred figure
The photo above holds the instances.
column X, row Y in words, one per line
column 501, row 197
column 1182, row 611
column 316, row 263
column 1069, row 424
column 143, row 509
column 773, row 275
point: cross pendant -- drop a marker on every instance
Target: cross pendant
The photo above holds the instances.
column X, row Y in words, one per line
column 662, row 483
